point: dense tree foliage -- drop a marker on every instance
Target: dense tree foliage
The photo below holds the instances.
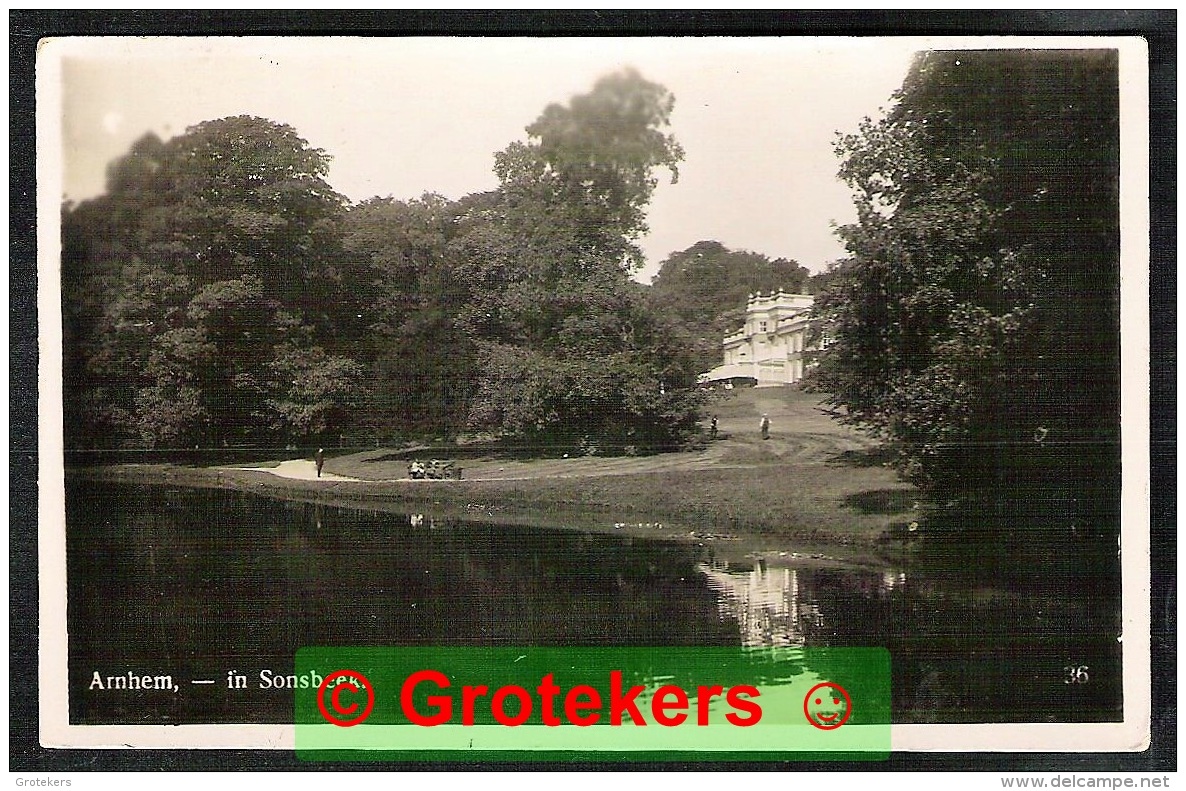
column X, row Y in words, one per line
column 220, row 292
column 583, row 180
column 401, row 302
column 196, row 291
column 705, row 287
column 568, row 352
column 976, row 324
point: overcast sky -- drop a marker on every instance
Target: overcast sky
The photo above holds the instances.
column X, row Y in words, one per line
column 756, row 116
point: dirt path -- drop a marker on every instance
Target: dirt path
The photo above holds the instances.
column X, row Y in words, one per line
column 298, row 469
column 800, row 431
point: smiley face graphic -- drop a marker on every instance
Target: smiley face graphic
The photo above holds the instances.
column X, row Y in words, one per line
column 827, row 706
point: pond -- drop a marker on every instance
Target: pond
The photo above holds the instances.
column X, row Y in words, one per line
column 204, row 585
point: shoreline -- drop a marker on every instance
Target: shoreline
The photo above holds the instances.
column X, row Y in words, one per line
column 813, row 491
column 476, row 501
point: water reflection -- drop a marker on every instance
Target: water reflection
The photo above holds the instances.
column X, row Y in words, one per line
column 768, row 605
column 764, row 603
column 198, row 583
column 962, row 651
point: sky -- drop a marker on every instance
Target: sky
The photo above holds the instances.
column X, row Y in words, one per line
column 757, row 117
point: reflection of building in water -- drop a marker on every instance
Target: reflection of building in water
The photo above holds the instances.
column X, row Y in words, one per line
column 764, row 602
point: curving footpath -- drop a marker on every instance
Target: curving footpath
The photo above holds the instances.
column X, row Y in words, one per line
column 299, row 469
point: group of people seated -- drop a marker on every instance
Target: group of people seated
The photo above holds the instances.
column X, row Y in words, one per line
column 418, row 470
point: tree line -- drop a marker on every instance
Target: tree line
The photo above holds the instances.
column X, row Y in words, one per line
column 221, row 292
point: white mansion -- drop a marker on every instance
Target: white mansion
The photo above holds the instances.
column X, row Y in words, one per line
column 771, row 348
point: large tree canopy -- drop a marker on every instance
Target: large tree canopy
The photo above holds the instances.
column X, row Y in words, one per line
column 196, row 290
column 975, row 325
column 221, row 292
column 588, row 169
column 401, row 299
column 561, row 331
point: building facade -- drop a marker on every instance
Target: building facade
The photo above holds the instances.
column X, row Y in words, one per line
column 772, row 348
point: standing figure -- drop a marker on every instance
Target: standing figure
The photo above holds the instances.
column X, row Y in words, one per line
column 765, row 427
column 712, row 430
column 319, row 458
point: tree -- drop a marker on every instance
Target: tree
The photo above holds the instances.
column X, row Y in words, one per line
column 309, row 390
column 975, row 324
column 561, row 333
column 209, row 255
column 589, row 167
column 400, row 310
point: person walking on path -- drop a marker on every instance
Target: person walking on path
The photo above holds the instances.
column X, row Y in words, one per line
column 765, row 427
column 712, row 431
column 319, row 459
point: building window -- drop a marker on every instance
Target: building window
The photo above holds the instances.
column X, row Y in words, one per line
column 763, row 327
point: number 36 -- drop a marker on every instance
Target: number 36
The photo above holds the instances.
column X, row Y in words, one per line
column 1076, row 674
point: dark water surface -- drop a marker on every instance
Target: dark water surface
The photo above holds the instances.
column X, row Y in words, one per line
column 196, row 584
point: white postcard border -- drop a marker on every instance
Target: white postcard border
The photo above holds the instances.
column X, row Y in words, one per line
column 1133, row 734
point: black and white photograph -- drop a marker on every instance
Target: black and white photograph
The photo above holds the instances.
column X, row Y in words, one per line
column 782, row 342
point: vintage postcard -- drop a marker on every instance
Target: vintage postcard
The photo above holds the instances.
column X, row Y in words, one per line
column 559, row 366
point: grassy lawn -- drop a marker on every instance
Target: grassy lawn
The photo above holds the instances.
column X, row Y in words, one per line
column 807, row 480
column 805, row 486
